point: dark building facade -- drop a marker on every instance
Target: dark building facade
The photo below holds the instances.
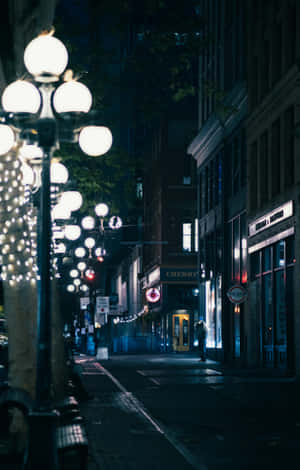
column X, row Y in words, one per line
column 157, row 281
column 170, row 237
column 273, row 184
column 220, row 152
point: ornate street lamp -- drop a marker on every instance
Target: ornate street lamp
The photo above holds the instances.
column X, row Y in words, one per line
column 34, row 114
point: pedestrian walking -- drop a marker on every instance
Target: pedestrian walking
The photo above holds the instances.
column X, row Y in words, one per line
column 201, row 333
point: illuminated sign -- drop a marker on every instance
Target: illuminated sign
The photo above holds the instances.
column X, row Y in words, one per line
column 178, row 274
column 237, row 294
column 153, row 294
column 115, row 222
column 272, row 218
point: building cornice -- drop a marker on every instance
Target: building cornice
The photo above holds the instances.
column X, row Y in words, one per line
column 273, row 103
column 214, row 130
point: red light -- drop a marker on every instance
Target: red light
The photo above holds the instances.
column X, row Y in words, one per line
column 90, row 274
column 100, row 259
column 153, row 295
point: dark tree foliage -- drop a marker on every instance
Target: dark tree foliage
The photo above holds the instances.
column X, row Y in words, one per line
column 109, row 178
column 161, row 41
column 141, row 53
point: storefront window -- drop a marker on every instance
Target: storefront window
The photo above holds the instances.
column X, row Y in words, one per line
column 237, row 331
column 275, row 303
column 266, row 259
column 255, row 265
column 267, row 310
column 290, row 250
column 244, row 249
column 213, row 313
column 236, row 249
column 219, row 313
column 280, row 308
column 279, row 254
column 210, row 314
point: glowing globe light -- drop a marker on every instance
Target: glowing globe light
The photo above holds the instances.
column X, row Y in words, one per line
column 72, row 200
column 60, row 248
column 21, row 97
column 81, row 266
column 70, row 288
column 58, row 173
column 27, row 175
column 77, row 282
column 72, row 232
column 60, row 212
column 74, row 273
column 72, row 96
column 7, row 139
column 88, row 222
column 115, row 222
column 45, row 55
column 95, row 140
column 30, row 152
column 100, row 251
column 89, row 242
column 84, row 288
column 101, row 209
column 80, row 252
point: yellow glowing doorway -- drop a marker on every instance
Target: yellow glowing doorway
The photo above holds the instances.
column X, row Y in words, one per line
column 181, row 332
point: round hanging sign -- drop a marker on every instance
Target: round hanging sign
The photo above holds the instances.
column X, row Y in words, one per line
column 153, row 294
column 237, row 294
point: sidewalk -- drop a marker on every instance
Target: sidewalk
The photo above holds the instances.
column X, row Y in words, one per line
column 123, row 436
column 120, row 440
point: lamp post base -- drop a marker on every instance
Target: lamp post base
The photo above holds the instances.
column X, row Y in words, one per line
column 42, row 446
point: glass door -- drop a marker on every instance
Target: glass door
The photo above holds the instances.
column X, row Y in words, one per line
column 181, row 332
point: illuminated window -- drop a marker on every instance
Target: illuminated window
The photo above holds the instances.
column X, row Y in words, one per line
column 190, row 240
column 187, row 236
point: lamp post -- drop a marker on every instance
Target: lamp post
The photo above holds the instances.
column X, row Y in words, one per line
column 92, row 252
column 35, row 113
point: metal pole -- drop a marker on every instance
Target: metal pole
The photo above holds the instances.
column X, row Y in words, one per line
column 42, row 448
column 43, row 379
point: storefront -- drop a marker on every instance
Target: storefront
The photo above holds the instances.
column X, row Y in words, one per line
column 176, row 311
column 272, row 263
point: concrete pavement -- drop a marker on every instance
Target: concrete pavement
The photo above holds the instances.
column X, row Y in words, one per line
column 170, row 411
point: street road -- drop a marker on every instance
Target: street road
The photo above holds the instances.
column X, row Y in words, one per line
column 174, row 412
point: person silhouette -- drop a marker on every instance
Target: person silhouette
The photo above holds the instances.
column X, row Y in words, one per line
column 201, row 333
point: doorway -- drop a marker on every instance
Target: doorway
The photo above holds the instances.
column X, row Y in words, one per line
column 181, row 332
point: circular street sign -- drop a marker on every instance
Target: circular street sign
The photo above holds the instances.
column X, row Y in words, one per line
column 237, row 294
column 153, row 294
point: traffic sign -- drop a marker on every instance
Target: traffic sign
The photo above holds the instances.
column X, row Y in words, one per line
column 237, row 294
column 102, row 305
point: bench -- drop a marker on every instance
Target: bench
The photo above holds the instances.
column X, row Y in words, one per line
column 71, row 438
column 69, row 411
column 72, row 447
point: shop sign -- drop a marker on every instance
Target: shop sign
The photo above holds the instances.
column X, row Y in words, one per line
column 272, row 218
column 177, row 274
column 153, row 294
column 237, row 294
